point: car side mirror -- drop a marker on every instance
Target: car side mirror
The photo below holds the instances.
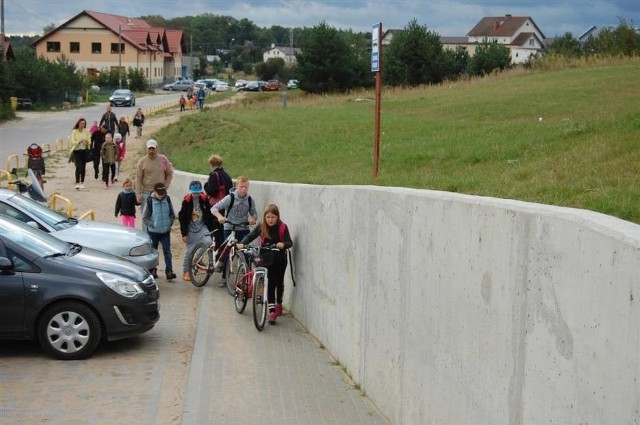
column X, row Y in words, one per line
column 6, row 266
column 33, row 224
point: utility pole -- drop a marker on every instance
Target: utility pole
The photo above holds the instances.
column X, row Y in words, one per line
column 191, row 54
column 119, row 56
column 2, row 30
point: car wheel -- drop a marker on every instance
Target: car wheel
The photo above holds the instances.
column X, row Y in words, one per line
column 69, row 330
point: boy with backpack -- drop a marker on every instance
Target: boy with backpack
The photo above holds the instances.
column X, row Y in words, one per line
column 239, row 209
column 158, row 216
column 216, row 188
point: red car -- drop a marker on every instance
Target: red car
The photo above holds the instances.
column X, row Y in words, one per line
column 272, row 85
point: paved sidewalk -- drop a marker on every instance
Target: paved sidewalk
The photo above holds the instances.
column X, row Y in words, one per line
column 279, row 376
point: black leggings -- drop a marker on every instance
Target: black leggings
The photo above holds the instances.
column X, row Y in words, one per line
column 275, row 291
column 81, row 165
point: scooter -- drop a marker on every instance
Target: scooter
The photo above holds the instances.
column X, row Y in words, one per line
column 31, row 188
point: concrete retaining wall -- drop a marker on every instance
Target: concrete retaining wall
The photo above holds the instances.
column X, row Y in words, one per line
column 449, row 308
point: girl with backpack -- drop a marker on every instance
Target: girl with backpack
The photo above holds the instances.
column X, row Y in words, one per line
column 274, row 232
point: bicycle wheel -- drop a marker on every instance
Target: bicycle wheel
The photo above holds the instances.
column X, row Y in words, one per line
column 260, row 305
column 200, row 261
column 235, row 260
column 240, row 282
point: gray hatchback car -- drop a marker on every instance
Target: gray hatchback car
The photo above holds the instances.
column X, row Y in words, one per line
column 127, row 242
column 122, row 97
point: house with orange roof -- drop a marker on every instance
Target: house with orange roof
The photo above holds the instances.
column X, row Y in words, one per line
column 101, row 42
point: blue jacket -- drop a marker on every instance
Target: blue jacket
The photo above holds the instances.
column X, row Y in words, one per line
column 158, row 214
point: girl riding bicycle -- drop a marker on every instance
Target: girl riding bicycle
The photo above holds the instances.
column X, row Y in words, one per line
column 274, row 232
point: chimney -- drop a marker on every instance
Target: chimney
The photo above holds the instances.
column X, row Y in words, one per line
column 508, row 15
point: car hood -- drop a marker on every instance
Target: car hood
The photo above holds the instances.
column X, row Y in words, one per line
column 109, row 237
column 94, row 260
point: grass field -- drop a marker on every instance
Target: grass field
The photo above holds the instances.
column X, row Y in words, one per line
column 481, row 137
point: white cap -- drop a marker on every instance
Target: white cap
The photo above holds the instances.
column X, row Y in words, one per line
column 152, row 144
column 117, row 136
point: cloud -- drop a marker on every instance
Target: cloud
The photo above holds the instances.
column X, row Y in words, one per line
column 451, row 18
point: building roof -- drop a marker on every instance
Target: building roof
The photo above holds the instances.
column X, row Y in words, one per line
column 500, row 26
column 134, row 31
column 7, row 50
column 289, row 51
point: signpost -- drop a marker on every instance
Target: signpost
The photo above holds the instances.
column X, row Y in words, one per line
column 376, row 66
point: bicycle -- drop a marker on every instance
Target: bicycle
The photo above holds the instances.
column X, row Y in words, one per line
column 254, row 282
column 205, row 258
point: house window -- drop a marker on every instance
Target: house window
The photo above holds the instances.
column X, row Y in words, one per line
column 114, row 48
column 531, row 42
column 96, row 48
column 74, row 47
column 53, row 46
column 92, row 72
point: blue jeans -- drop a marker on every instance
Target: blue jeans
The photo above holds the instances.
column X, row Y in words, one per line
column 165, row 240
column 239, row 235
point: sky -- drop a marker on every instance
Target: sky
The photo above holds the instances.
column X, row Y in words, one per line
column 445, row 17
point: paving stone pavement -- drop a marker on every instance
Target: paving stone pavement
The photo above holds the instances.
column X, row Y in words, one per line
column 203, row 363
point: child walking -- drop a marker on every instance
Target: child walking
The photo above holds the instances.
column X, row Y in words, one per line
column 273, row 231
column 195, row 221
column 158, row 216
column 126, row 204
column 120, row 151
column 108, row 154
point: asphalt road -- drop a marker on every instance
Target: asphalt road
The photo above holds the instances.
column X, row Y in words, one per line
column 17, row 135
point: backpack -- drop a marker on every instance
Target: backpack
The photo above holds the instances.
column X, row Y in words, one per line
column 233, row 199
column 222, row 188
column 150, row 204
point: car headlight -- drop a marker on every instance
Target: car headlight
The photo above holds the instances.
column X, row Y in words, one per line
column 140, row 250
column 127, row 98
column 120, row 284
column 110, row 97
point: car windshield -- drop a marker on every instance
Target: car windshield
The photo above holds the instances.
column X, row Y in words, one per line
column 49, row 216
column 32, row 239
column 121, row 92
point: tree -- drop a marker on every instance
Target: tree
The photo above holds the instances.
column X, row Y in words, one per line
column 328, row 63
column 415, row 56
column 567, row 46
column 456, row 62
column 271, row 69
column 489, row 56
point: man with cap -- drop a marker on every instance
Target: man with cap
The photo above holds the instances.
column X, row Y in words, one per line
column 195, row 220
column 151, row 169
column 158, row 216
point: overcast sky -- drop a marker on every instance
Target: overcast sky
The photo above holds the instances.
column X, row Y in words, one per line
column 446, row 17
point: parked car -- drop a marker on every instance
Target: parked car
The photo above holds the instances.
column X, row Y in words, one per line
column 122, row 97
column 221, row 86
column 198, row 85
column 254, row 86
column 181, row 85
column 292, row 84
column 272, row 85
column 240, row 84
column 69, row 297
column 127, row 242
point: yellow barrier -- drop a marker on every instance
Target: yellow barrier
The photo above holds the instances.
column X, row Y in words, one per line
column 54, row 203
column 46, row 147
column 15, row 157
column 5, row 175
column 89, row 214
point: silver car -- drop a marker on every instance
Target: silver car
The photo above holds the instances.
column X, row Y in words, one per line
column 127, row 242
column 122, row 97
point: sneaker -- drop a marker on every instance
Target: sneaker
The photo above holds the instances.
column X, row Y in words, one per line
column 222, row 283
column 186, row 277
column 77, row 186
column 278, row 310
column 272, row 318
column 170, row 274
column 106, row 187
column 81, row 185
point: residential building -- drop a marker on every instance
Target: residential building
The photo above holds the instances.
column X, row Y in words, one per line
column 520, row 35
column 100, row 42
column 6, row 51
column 288, row 54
